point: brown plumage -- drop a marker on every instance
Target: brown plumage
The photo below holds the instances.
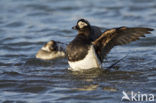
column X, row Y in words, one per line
column 117, row 36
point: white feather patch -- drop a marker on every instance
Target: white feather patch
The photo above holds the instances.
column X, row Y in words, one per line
column 90, row 61
column 49, row 55
column 82, row 24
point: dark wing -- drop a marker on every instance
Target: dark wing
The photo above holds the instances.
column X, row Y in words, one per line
column 96, row 32
column 117, row 36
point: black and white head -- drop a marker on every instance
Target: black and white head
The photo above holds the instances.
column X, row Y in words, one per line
column 82, row 25
column 50, row 46
column 54, row 46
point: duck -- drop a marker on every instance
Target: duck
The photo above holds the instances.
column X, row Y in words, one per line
column 52, row 50
column 87, row 50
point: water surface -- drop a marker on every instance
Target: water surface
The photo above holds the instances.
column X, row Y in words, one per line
column 25, row 25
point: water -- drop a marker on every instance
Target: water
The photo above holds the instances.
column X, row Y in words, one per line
column 25, row 25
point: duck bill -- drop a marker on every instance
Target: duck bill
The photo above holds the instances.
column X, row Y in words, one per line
column 74, row 27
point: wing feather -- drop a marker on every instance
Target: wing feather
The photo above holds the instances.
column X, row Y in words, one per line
column 118, row 36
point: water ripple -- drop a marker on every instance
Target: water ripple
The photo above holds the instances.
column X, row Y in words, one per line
column 26, row 25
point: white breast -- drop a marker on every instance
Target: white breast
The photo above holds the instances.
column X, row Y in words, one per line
column 90, row 61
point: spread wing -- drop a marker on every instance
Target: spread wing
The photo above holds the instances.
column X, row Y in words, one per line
column 117, row 36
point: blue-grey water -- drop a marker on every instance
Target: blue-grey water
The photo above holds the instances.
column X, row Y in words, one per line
column 25, row 25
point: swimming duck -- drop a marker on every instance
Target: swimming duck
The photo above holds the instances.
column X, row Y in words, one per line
column 52, row 50
column 84, row 52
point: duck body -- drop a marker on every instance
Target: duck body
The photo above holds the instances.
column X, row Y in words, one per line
column 45, row 55
column 81, row 54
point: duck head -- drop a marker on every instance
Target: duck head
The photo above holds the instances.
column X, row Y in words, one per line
column 50, row 46
column 82, row 25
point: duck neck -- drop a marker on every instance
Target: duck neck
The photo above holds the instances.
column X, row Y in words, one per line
column 85, row 32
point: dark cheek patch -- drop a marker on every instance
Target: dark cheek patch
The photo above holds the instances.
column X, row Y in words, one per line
column 53, row 47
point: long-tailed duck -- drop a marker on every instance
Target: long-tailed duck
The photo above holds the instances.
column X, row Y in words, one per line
column 85, row 52
column 52, row 50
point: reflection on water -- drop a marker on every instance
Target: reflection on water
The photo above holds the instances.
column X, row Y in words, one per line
column 87, row 88
column 25, row 25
